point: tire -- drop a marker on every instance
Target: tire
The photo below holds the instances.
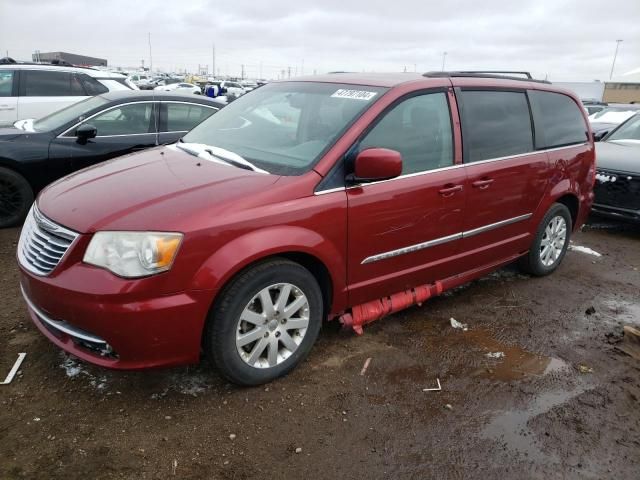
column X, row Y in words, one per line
column 239, row 316
column 16, row 197
column 538, row 262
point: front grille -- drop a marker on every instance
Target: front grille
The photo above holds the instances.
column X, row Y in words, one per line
column 617, row 189
column 43, row 243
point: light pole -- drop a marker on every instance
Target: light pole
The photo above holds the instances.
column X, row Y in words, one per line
column 444, row 59
column 150, row 57
column 613, row 64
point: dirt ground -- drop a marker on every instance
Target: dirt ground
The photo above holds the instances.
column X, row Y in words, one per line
column 534, row 388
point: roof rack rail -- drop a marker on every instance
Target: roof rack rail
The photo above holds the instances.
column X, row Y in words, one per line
column 502, row 74
column 53, row 63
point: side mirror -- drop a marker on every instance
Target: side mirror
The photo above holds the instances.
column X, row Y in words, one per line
column 85, row 132
column 599, row 136
column 376, row 164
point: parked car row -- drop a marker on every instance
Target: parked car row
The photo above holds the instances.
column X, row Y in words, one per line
column 34, row 153
column 31, row 90
column 341, row 196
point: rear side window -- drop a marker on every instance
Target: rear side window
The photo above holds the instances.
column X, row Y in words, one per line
column 51, row 84
column 495, row 124
column 558, row 120
column 6, row 83
column 182, row 117
column 92, row 86
column 420, row 129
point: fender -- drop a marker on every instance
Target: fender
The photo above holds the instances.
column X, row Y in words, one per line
column 555, row 191
column 227, row 261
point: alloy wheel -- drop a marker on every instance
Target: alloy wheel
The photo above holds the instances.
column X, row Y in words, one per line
column 272, row 325
column 553, row 241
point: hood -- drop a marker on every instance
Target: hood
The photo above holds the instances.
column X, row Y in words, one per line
column 621, row 156
column 158, row 189
column 599, row 127
column 11, row 133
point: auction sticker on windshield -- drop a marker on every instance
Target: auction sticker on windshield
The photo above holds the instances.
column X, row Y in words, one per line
column 354, row 94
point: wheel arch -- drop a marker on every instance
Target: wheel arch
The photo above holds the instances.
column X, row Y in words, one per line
column 570, row 201
column 323, row 259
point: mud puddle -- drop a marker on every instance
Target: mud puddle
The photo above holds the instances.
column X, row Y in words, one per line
column 511, row 429
column 621, row 310
column 509, row 362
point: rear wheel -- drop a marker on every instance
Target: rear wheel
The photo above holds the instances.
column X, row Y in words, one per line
column 265, row 322
column 16, row 198
column 550, row 243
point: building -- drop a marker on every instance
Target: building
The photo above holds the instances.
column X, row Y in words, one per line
column 624, row 88
column 584, row 90
column 71, row 58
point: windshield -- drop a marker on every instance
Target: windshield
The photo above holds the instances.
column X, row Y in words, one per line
column 73, row 113
column 284, row 128
column 628, row 131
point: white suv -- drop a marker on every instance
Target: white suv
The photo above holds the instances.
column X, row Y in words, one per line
column 35, row 90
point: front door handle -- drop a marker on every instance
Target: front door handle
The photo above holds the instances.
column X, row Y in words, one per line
column 6, row 107
column 482, row 184
column 449, row 190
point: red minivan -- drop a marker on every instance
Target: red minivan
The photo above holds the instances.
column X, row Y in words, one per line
column 342, row 196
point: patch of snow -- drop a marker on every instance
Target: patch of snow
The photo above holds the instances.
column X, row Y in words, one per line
column 458, row 325
column 495, row 355
column 74, row 369
column 581, row 249
column 190, row 383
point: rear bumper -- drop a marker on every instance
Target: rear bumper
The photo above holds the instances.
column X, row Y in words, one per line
column 126, row 333
column 616, row 212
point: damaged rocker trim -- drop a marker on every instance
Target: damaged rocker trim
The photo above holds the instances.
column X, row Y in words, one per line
column 441, row 240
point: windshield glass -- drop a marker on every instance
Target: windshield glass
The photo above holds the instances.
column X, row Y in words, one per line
column 284, row 128
column 72, row 113
column 629, row 131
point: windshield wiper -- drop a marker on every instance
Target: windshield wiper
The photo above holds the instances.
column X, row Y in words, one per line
column 230, row 161
column 220, row 154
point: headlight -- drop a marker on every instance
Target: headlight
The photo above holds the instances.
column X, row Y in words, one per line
column 133, row 254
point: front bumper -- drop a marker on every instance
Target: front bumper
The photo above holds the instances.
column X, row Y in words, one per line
column 616, row 212
column 119, row 331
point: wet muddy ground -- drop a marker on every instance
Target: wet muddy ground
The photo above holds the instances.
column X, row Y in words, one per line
column 533, row 388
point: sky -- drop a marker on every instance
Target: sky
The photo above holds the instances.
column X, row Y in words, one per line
column 562, row 40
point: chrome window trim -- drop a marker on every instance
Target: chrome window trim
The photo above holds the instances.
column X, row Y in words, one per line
column 451, row 167
column 442, row 240
column 60, row 325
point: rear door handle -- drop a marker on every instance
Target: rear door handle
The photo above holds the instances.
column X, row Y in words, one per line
column 482, row 184
column 450, row 190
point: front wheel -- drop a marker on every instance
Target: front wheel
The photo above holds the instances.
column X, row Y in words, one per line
column 16, row 197
column 265, row 322
column 550, row 243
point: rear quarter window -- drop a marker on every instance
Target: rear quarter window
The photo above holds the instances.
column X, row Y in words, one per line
column 558, row 120
column 39, row 83
column 495, row 124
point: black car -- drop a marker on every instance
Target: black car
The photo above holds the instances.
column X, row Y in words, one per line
column 35, row 153
column 609, row 118
column 617, row 188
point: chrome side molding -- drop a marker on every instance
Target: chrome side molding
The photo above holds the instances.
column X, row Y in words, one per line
column 448, row 238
